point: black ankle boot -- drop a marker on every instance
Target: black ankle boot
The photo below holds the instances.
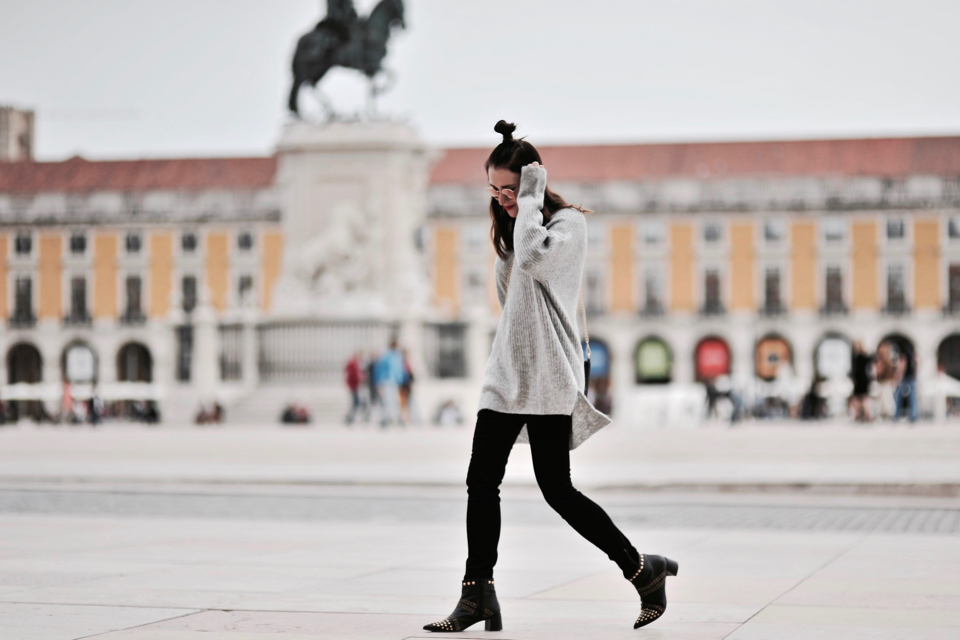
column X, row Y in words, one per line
column 650, row 581
column 478, row 601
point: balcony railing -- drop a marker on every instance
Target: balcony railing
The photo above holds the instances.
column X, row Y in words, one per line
column 133, row 317
column 652, row 310
column 952, row 308
column 834, row 309
column 78, row 320
column 22, row 320
column 772, row 310
column 711, row 309
column 895, row 309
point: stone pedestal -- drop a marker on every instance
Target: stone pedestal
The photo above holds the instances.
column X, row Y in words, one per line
column 353, row 197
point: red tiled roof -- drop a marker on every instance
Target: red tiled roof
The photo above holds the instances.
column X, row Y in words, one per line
column 79, row 175
column 889, row 157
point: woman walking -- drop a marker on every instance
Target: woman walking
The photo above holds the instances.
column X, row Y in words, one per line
column 532, row 388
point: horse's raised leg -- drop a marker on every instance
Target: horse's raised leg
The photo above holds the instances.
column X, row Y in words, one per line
column 329, row 113
column 389, row 78
column 292, row 104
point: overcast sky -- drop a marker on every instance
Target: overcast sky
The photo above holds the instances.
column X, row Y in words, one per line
column 160, row 78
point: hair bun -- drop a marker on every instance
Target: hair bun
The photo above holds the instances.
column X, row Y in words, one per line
column 505, row 129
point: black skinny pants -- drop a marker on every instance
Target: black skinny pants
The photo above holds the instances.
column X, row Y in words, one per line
column 550, row 447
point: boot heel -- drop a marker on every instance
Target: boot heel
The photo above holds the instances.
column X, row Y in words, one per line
column 493, row 624
column 672, row 567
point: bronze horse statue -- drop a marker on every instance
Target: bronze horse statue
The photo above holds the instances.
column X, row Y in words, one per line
column 344, row 39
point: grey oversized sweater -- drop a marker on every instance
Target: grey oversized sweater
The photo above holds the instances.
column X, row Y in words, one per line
column 536, row 364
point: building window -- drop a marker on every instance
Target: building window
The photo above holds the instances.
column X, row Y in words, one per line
column 772, row 300
column 953, row 293
column 188, row 242
column 712, row 304
column 834, row 303
column 652, row 292
column 712, row 232
column 896, row 289
column 78, row 244
column 834, row 229
column 245, row 241
column 231, row 352
column 953, row 228
column 595, row 235
column 896, row 229
column 475, row 235
column 652, row 233
column 133, row 243
column 593, row 292
column 184, row 352
column 245, row 290
column 132, row 203
column 446, row 350
column 476, row 287
column 23, row 244
column 133, row 312
column 773, row 231
column 23, row 303
column 78, row 301
column 188, row 293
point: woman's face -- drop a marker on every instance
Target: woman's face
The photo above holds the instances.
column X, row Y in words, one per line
column 504, row 185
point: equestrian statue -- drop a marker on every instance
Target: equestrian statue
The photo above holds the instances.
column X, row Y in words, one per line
column 345, row 39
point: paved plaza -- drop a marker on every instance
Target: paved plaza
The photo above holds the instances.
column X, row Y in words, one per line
column 185, row 533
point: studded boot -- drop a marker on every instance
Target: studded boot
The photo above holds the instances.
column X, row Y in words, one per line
column 650, row 582
column 478, row 601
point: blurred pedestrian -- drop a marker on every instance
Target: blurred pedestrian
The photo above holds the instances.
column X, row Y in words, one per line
column 814, row 405
column 860, row 365
column 389, row 372
column 408, row 401
column 353, row 375
column 373, row 397
column 534, row 385
column 886, row 370
column 905, row 394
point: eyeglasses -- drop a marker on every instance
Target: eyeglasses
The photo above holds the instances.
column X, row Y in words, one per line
column 508, row 194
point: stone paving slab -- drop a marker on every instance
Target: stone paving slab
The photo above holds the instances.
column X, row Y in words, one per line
column 39, row 621
column 196, row 579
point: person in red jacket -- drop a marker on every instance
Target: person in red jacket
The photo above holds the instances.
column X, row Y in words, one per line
column 354, row 375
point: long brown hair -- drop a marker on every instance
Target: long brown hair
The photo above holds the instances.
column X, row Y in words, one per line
column 513, row 155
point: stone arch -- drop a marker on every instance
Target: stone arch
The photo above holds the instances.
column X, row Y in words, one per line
column 711, row 358
column 891, row 347
column 134, row 363
column 771, row 352
column 948, row 355
column 79, row 363
column 653, row 361
column 599, row 358
column 832, row 356
column 24, row 364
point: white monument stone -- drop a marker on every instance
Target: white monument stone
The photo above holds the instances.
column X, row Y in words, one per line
column 353, row 197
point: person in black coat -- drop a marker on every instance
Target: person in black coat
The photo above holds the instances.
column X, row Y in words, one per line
column 860, row 373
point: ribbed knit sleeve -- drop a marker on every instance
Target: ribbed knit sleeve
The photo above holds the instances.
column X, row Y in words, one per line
column 542, row 249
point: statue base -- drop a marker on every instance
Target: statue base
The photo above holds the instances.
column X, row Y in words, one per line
column 353, row 197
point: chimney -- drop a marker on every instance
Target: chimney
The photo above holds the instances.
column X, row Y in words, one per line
column 16, row 134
